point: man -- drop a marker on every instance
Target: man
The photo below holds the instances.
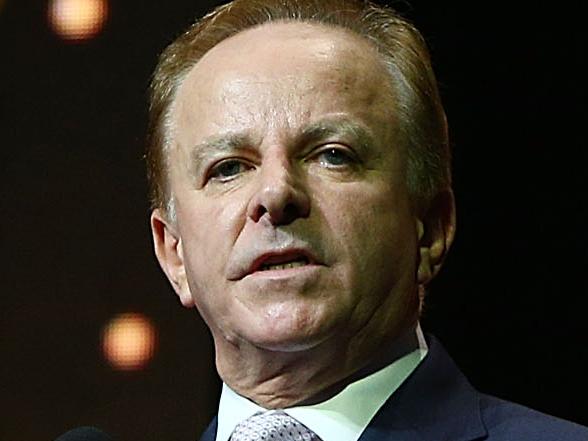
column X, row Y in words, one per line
column 302, row 202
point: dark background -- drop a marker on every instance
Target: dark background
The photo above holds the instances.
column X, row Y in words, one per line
column 510, row 304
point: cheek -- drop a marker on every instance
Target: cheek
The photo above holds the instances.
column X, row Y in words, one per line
column 373, row 229
column 208, row 230
column 210, row 224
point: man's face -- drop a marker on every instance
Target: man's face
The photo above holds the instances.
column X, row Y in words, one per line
column 294, row 227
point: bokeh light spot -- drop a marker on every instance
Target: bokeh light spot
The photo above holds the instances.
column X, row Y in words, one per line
column 77, row 20
column 129, row 341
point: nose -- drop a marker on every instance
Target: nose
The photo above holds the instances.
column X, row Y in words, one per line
column 280, row 195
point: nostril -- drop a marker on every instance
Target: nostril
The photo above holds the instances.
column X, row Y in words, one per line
column 282, row 216
column 259, row 212
column 281, row 202
column 290, row 213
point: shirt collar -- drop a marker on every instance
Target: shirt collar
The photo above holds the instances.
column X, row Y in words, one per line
column 344, row 416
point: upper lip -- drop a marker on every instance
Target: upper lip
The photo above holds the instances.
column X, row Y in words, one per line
column 280, row 256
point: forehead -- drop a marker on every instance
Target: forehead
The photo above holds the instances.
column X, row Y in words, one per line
column 290, row 47
column 284, row 73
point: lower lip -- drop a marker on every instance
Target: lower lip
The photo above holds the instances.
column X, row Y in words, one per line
column 298, row 271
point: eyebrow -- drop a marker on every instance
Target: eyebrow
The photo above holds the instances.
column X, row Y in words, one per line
column 338, row 127
column 216, row 145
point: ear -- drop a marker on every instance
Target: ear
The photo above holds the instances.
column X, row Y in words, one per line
column 436, row 230
column 168, row 249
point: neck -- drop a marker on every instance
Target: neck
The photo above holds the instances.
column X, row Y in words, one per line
column 274, row 379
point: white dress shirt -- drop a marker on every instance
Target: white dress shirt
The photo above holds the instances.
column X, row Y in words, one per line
column 342, row 417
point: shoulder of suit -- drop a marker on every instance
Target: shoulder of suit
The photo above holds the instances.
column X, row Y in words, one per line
column 509, row 421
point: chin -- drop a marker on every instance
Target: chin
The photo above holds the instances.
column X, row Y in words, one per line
column 289, row 344
column 291, row 333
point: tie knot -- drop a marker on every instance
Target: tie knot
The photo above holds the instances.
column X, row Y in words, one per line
column 273, row 425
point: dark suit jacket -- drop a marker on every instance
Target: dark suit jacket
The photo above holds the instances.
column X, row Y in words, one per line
column 436, row 403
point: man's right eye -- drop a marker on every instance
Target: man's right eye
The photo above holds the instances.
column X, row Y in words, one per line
column 228, row 169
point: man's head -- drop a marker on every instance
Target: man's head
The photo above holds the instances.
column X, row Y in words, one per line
column 295, row 228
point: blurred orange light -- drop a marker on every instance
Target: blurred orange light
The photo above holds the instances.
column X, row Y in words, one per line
column 128, row 341
column 77, row 19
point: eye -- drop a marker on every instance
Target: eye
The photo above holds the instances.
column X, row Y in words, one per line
column 335, row 157
column 227, row 169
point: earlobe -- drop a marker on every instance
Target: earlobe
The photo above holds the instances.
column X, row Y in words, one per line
column 435, row 233
column 168, row 248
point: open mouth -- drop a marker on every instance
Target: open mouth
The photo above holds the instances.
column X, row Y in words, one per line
column 292, row 263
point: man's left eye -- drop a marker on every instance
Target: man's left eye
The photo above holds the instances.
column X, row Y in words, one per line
column 335, row 157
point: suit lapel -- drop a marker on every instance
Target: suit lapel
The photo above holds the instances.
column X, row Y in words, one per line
column 435, row 403
column 210, row 432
